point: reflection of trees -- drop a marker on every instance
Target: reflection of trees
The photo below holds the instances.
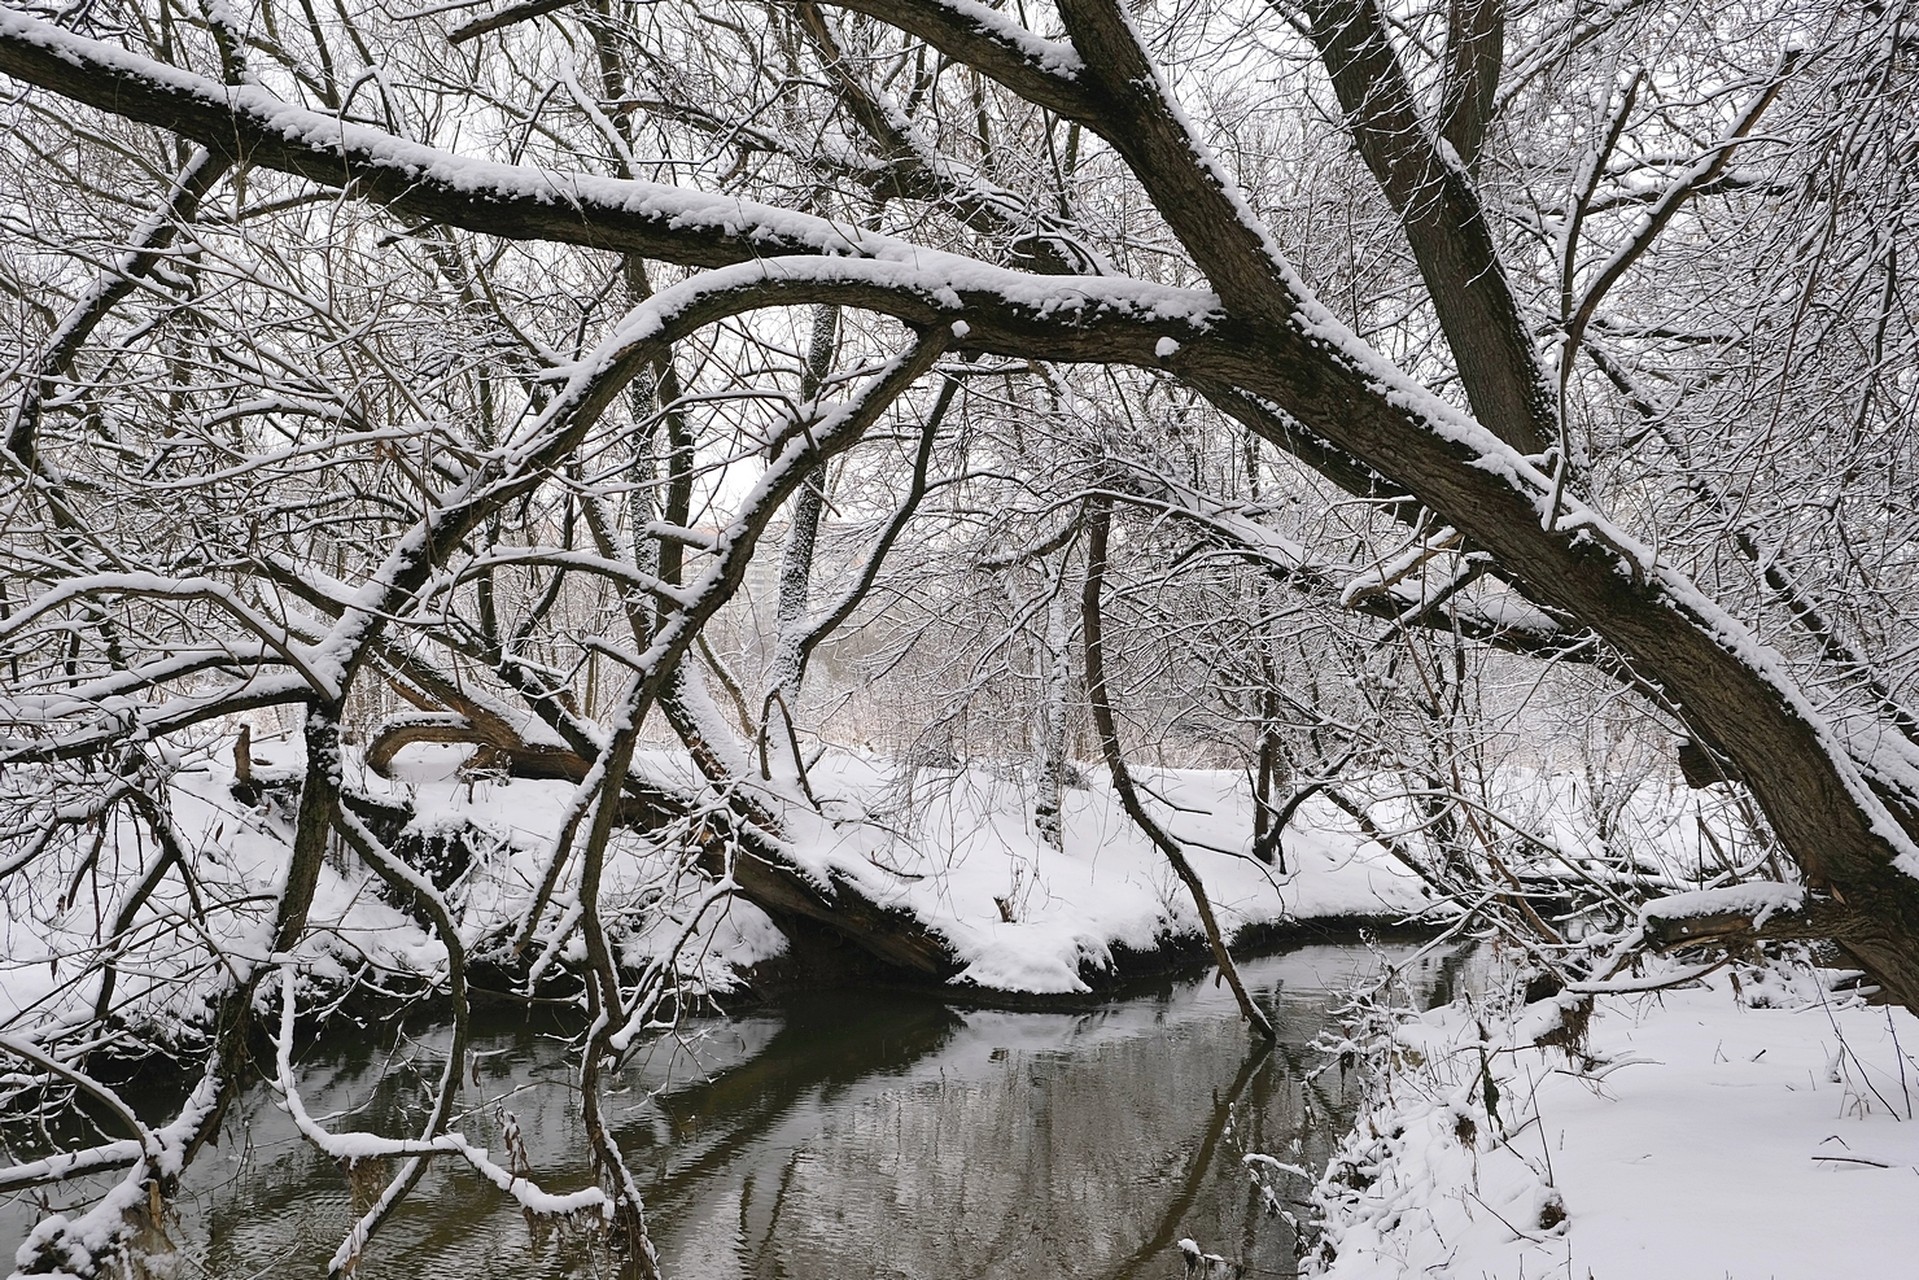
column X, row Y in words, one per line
column 1277, row 1102
column 1171, row 1224
column 884, row 1135
column 991, row 1153
column 279, row 1206
column 823, row 1048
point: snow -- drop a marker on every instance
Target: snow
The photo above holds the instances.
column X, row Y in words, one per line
column 1710, row 1123
column 1050, row 56
column 76, row 1243
column 949, row 844
column 1753, row 1124
column 1760, row 899
column 943, row 844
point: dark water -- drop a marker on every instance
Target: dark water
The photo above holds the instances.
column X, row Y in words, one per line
column 842, row 1135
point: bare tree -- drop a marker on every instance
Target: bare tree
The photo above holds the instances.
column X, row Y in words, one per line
column 357, row 366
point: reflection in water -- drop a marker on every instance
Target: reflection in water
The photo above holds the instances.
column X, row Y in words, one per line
column 846, row 1134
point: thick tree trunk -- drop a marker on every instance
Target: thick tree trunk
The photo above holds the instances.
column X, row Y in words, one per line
column 1843, row 831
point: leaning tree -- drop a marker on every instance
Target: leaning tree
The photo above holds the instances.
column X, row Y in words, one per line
column 472, row 361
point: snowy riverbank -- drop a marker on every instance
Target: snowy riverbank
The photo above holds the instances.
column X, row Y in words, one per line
column 1755, row 1125
column 952, row 849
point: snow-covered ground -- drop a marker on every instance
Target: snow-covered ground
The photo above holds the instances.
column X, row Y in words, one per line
column 948, row 845
column 1755, row 1125
column 953, row 845
column 956, row 847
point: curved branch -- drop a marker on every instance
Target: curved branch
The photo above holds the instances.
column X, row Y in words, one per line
column 405, row 880
column 849, row 600
column 149, row 243
column 245, row 123
column 1099, row 517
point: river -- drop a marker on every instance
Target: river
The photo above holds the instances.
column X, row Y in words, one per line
column 838, row 1135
